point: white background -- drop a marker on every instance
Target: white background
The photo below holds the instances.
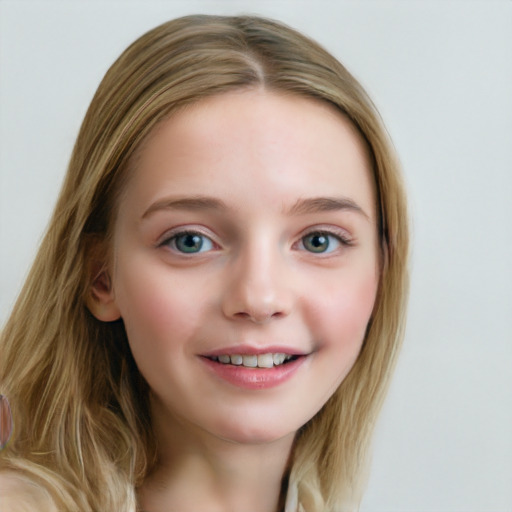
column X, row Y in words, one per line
column 441, row 74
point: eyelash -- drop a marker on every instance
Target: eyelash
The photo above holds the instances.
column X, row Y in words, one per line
column 170, row 241
column 341, row 238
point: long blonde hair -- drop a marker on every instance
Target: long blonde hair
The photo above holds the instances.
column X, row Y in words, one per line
column 83, row 429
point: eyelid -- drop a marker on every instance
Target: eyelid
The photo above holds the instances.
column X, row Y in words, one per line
column 342, row 234
column 186, row 230
column 342, row 241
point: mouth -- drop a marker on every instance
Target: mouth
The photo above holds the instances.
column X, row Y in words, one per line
column 255, row 368
column 268, row 360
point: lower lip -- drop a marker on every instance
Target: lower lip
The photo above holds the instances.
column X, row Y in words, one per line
column 255, row 378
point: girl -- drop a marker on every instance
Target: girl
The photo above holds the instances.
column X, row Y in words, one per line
column 213, row 316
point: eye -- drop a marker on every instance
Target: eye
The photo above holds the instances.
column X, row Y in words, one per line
column 189, row 242
column 320, row 242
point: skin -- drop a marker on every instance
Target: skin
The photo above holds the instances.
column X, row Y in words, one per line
column 255, row 282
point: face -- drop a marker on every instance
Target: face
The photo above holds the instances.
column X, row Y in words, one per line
column 245, row 262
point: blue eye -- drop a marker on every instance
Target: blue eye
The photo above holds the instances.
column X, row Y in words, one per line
column 190, row 243
column 320, row 243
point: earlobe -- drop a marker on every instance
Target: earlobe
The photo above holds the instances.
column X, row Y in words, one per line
column 100, row 299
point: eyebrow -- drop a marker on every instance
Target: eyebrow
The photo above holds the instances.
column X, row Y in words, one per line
column 194, row 203
column 301, row 207
column 325, row 204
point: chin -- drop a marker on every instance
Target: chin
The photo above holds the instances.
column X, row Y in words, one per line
column 263, row 433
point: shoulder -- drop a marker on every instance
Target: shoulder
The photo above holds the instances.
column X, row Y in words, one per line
column 19, row 494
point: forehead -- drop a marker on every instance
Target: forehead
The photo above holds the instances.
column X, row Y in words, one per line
column 286, row 145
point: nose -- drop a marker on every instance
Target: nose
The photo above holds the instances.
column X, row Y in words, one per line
column 259, row 287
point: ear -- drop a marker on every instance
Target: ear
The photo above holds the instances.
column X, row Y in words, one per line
column 100, row 298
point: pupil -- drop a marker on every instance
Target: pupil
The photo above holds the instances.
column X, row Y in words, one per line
column 189, row 243
column 317, row 243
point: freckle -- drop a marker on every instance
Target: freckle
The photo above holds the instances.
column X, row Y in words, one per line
column 5, row 421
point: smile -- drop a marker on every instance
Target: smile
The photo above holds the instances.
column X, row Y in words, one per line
column 255, row 371
column 268, row 360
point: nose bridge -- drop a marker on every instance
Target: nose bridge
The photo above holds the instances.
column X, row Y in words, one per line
column 259, row 287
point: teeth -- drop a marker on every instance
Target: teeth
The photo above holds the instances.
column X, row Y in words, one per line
column 278, row 358
column 236, row 359
column 254, row 361
column 250, row 361
column 265, row 361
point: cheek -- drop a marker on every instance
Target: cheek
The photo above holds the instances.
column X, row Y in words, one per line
column 338, row 319
column 342, row 313
column 155, row 309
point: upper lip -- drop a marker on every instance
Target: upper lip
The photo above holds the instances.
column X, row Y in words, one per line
column 251, row 350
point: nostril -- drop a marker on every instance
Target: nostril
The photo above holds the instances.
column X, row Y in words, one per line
column 242, row 315
column 259, row 316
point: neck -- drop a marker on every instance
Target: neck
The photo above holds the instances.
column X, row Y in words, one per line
column 200, row 471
